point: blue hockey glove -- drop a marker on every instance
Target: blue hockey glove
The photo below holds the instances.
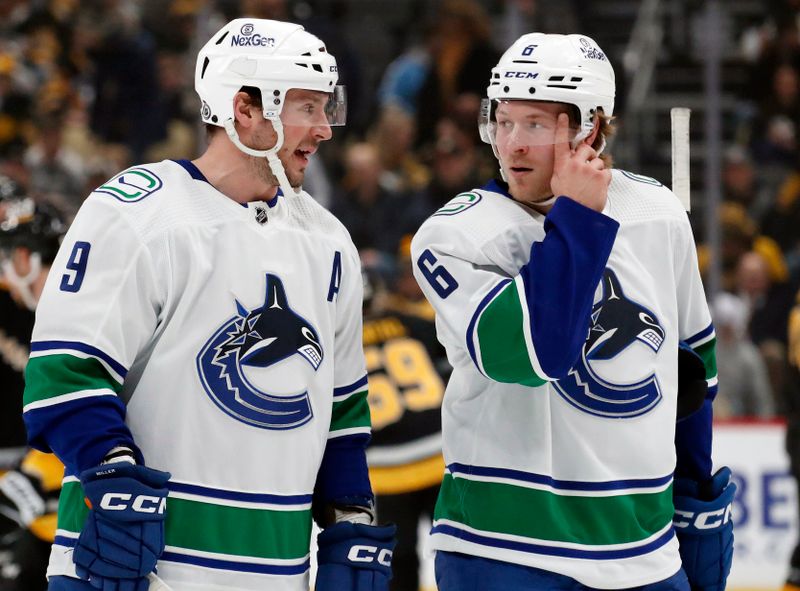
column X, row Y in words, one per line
column 705, row 530
column 355, row 557
column 124, row 531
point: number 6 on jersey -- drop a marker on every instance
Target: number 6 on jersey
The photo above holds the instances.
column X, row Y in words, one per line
column 440, row 278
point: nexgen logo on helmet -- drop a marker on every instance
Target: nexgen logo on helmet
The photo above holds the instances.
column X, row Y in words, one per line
column 568, row 69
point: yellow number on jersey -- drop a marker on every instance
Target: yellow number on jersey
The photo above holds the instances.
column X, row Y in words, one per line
column 410, row 380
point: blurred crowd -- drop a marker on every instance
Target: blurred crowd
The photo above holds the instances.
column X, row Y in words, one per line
column 90, row 87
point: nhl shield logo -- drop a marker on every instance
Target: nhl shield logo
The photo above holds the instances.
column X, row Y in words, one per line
column 617, row 324
column 257, row 365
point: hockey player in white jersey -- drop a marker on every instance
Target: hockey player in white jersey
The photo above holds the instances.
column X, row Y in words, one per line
column 197, row 361
column 562, row 296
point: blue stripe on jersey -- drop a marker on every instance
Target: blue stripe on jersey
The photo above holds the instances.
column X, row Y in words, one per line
column 471, row 328
column 231, row 495
column 243, row 567
column 66, row 542
column 532, row 548
column 499, row 187
column 354, row 387
column 274, row 201
column 193, row 171
column 576, row 485
column 700, row 335
column 264, row 569
column 81, row 347
column 81, row 431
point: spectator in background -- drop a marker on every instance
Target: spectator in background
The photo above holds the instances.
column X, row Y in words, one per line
column 743, row 186
column 393, row 135
column 775, row 129
column 127, row 107
column 769, row 303
column 739, row 236
column 179, row 106
column 522, row 16
column 462, row 53
column 15, row 107
column 782, row 221
column 57, row 173
column 457, row 166
column 744, row 386
column 367, row 208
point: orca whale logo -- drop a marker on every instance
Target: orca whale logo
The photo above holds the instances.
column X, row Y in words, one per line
column 616, row 324
column 259, row 340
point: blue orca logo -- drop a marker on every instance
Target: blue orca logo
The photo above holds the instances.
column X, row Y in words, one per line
column 616, row 324
column 261, row 338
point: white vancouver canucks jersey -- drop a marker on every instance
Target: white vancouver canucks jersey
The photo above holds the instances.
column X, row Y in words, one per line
column 570, row 473
column 232, row 333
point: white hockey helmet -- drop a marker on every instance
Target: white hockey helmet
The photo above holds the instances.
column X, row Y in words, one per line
column 272, row 56
column 569, row 69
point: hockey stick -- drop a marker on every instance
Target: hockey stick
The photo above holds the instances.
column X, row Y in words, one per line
column 679, row 117
column 157, row 583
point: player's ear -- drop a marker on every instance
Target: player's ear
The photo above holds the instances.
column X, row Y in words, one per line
column 593, row 136
column 244, row 110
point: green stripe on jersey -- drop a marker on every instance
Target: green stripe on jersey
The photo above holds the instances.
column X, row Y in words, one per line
column 707, row 352
column 351, row 413
column 221, row 529
column 49, row 376
column 501, row 340
column 543, row 515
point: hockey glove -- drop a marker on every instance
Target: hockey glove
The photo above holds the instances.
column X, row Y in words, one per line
column 124, row 531
column 704, row 528
column 355, row 557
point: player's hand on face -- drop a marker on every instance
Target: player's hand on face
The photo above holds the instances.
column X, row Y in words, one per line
column 579, row 174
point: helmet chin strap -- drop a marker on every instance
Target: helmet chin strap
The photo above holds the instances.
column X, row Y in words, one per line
column 275, row 164
column 23, row 284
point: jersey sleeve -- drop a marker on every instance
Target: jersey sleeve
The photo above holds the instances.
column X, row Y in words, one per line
column 343, row 477
column 693, row 434
column 99, row 307
column 528, row 328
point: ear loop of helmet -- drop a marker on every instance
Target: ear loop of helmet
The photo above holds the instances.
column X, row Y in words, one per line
column 271, row 154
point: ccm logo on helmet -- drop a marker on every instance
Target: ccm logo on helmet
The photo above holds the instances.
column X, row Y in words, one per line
column 140, row 503
column 359, row 553
column 705, row 520
column 526, row 75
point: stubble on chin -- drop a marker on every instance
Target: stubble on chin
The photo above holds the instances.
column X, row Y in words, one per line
column 261, row 168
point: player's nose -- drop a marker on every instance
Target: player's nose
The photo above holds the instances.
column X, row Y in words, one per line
column 322, row 132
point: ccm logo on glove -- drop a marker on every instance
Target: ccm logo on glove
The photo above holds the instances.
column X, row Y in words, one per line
column 704, row 520
column 359, row 553
column 141, row 503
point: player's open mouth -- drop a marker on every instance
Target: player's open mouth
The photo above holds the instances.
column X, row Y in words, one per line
column 520, row 170
column 303, row 155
